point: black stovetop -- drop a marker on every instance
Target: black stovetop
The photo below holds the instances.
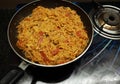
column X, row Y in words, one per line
column 103, row 54
column 7, row 56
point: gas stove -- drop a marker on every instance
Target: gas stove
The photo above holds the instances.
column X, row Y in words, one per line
column 99, row 65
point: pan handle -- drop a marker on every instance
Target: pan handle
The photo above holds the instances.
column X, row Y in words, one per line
column 14, row 74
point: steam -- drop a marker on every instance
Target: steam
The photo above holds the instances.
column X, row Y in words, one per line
column 91, row 74
column 101, row 74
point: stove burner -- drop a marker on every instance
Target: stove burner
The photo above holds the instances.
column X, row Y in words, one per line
column 112, row 19
column 106, row 21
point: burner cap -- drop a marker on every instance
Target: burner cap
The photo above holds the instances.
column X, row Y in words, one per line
column 106, row 21
column 112, row 19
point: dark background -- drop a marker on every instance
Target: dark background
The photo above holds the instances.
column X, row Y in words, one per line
column 12, row 3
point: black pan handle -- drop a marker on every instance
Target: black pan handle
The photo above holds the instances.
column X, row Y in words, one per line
column 12, row 76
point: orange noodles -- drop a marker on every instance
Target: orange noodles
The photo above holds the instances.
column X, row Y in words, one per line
column 52, row 36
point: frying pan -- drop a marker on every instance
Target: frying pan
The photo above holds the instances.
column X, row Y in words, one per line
column 26, row 10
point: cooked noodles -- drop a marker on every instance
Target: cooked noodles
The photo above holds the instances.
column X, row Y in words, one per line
column 52, row 36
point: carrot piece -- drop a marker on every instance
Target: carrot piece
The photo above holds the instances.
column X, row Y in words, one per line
column 41, row 33
column 67, row 14
column 78, row 33
column 27, row 19
column 81, row 34
column 40, row 39
column 41, row 36
column 20, row 44
column 54, row 52
column 45, row 58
